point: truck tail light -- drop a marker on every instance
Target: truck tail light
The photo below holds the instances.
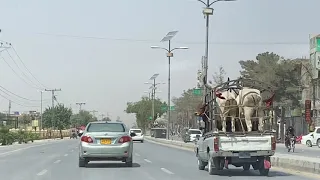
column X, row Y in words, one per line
column 124, row 139
column 216, row 144
column 273, row 143
column 86, row 139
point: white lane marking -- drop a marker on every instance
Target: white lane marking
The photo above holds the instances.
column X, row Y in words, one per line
column 66, row 155
column 42, row 172
column 57, row 161
column 147, row 160
column 166, row 171
column 72, row 150
column 16, row 150
column 137, row 154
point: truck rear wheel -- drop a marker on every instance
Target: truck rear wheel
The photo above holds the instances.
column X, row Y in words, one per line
column 212, row 169
column 201, row 164
column 264, row 172
column 246, row 167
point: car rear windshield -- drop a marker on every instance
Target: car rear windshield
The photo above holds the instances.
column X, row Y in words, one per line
column 136, row 131
column 194, row 132
column 106, row 127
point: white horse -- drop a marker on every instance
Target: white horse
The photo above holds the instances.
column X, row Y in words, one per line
column 228, row 108
column 250, row 101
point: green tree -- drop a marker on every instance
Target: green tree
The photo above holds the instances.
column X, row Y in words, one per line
column 25, row 120
column 185, row 106
column 219, row 77
column 284, row 74
column 143, row 110
column 57, row 117
column 106, row 119
column 82, row 118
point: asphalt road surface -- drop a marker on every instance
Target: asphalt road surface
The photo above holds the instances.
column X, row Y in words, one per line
column 59, row 160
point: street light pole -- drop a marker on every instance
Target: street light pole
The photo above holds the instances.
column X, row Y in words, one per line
column 168, row 38
column 207, row 11
column 41, row 120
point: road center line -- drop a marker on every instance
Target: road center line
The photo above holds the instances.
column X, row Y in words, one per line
column 66, row 155
column 147, row 160
column 57, row 161
column 137, row 154
column 166, row 171
column 42, row 172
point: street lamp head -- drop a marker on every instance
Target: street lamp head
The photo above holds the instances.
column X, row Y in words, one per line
column 182, row 48
column 146, row 83
column 155, row 47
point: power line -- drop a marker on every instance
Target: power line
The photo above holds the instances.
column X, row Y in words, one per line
column 17, row 73
column 16, row 102
column 184, row 42
column 21, row 70
column 27, row 67
column 18, row 95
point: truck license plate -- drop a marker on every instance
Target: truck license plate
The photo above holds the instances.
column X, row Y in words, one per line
column 244, row 155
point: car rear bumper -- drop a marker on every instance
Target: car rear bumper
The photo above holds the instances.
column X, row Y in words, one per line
column 108, row 152
column 137, row 138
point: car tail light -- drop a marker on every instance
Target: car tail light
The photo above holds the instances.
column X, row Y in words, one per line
column 216, row 144
column 86, row 139
column 124, row 139
column 273, row 143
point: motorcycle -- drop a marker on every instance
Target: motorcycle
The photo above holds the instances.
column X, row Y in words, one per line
column 74, row 136
column 292, row 143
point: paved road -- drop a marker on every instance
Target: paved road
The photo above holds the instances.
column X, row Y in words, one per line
column 301, row 150
column 59, row 160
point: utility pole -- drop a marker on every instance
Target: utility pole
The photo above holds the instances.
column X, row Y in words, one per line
column 80, row 105
column 41, row 111
column 8, row 115
column 53, row 98
column 207, row 11
column 102, row 116
column 169, row 54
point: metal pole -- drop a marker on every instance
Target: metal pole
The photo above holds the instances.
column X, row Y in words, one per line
column 206, row 51
column 41, row 112
column 153, row 97
column 168, row 109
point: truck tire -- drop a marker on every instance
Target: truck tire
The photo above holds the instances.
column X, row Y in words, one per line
column 212, row 169
column 264, row 172
column 201, row 164
column 246, row 167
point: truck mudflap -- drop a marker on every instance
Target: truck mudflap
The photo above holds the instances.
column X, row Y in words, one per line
column 267, row 164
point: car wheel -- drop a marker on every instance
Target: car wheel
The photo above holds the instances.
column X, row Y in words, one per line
column 141, row 141
column 82, row 162
column 129, row 162
column 308, row 143
column 318, row 143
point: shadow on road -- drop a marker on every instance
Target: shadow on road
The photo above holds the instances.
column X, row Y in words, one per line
column 240, row 172
column 111, row 165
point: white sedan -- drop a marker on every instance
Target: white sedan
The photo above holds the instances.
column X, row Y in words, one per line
column 139, row 135
column 308, row 140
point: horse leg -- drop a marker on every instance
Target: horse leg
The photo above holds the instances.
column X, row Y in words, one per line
column 261, row 115
column 248, row 111
column 224, row 123
column 233, row 122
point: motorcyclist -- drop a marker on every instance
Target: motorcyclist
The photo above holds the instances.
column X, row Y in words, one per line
column 289, row 134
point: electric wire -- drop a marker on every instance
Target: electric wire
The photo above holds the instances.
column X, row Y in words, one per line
column 182, row 42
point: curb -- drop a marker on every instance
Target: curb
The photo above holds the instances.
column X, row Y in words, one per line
column 286, row 161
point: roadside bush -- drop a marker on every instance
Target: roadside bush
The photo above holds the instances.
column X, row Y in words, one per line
column 6, row 137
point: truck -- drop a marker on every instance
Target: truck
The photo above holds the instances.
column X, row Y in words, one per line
column 217, row 149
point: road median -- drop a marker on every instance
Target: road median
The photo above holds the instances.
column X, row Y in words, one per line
column 285, row 161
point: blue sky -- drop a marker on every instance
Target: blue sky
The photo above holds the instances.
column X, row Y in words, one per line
column 106, row 73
